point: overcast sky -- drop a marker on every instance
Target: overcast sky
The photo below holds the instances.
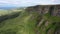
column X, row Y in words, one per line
column 20, row 3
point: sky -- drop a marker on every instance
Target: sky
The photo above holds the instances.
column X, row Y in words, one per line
column 20, row 3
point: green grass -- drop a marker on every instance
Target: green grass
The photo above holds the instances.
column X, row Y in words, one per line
column 6, row 12
column 52, row 18
column 26, row 22
column 23, row 24
column 53, row 23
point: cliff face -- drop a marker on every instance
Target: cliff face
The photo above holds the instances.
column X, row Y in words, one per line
column 54, row 10
column 49, row 24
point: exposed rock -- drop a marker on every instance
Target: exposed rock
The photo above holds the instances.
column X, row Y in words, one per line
column 54, row 10
column 57, row 31
column 50, row 31
column 46, row 27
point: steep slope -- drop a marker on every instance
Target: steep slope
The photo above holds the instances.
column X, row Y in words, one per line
column 54, row 10
column 23, row 24
column 34, row 20
column 49, row 24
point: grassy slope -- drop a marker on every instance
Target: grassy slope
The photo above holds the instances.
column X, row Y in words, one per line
column 5, row 12
column 26, row 24
column 23, row 24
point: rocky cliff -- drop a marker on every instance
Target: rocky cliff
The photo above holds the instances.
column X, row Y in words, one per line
column 54, row 10
column 48, row 24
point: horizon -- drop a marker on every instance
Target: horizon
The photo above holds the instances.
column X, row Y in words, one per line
column 25, row 3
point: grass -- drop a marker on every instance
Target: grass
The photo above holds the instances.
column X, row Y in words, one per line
column 26, row 23
column 23, row 24
column 52, row 18
column 53, row 21
column 6, row 12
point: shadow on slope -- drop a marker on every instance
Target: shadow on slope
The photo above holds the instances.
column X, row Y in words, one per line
column 5, row 17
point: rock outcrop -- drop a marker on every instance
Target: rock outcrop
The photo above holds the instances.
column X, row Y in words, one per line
column 46, row 26
column 54, row 10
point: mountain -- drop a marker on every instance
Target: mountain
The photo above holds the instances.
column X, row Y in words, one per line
column 40, row 19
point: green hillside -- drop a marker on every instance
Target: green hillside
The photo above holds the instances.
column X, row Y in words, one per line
column 23, row 24
column 30, row 23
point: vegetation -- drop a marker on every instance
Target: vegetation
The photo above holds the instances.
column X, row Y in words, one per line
column 23, row 24
column 26, row 23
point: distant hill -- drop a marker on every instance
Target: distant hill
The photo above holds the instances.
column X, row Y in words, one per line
column 6, row 8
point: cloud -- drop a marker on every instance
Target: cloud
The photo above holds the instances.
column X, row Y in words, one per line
column 53, row 0
column 3, row 2
column 27, row 2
